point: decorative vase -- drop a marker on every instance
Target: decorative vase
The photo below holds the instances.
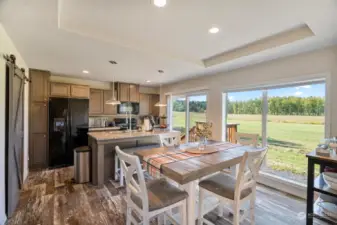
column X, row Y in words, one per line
column 202, row 143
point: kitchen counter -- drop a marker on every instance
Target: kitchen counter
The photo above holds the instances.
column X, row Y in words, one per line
column 92, row 129
column 110, row 136
column 103, row 145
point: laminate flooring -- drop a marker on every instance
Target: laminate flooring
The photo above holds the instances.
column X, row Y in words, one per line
column 51, row 198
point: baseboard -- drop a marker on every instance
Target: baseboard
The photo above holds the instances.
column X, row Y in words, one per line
column 288, row 186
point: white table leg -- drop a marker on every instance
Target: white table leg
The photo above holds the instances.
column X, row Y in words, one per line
column 190, row 188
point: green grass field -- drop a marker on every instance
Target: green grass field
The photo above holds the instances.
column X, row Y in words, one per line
column 289, row 137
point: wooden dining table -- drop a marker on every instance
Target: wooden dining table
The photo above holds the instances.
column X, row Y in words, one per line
column 187, row 172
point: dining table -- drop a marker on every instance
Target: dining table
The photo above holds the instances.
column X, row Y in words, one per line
column 186, row 169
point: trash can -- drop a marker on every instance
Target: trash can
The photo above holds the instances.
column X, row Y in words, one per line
column 82, row 164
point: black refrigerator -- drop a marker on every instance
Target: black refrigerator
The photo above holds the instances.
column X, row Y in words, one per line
column 68, row 128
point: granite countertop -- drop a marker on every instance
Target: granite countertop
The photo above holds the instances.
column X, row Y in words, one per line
column 103, row 128
column 115, row 135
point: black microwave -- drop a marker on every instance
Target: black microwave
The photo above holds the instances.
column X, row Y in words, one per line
column 128, row 107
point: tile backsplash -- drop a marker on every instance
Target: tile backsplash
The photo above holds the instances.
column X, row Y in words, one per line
column 98, row 121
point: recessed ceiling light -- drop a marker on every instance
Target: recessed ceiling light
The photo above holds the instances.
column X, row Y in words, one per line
column 85, row 71
column 113, row 62
column 160, row 71
column 213, row 30
column 159, row 3
column 148, row 81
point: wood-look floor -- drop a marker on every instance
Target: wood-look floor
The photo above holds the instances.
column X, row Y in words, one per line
column 50, row 198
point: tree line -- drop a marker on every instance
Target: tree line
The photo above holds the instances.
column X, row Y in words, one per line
column 308, row 106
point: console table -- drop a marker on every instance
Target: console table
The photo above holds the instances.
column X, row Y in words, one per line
column 317, row 184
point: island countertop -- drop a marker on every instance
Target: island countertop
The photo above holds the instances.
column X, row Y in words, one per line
column 103, row 144
column 115, row 135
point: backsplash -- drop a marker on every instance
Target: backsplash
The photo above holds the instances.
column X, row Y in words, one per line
column 100, row 121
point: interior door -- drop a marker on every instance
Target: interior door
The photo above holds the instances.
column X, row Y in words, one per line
column 14, row 128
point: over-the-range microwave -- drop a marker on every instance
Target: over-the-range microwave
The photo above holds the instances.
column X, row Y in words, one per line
column 128, row 107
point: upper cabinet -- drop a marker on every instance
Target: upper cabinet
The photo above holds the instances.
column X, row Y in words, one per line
column 59, row 90
column 96, row 101
column 144, row 106
column 69, row 90
column 134, row 93
column 109, row 109
column 39, row 85
column 154, row 110
column 124, row 92
column 128, row 92
column 79, row 91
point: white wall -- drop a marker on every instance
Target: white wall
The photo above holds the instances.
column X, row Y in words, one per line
column 7, row 47
column 299, row 67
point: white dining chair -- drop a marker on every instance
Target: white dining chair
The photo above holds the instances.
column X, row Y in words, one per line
column 235, row 191
column 246, row 139
column 170, row 139
column 149, row 199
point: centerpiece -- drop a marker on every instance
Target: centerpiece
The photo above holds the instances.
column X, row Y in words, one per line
column 204, row 132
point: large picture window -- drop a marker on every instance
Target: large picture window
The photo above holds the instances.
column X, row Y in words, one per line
column 290, row 120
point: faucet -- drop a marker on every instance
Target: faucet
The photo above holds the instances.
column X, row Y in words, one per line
column 128, row 120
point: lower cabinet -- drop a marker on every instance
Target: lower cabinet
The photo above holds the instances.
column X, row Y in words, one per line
column 38, row 151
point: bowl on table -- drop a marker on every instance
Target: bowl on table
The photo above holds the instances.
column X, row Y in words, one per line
column 331, row 179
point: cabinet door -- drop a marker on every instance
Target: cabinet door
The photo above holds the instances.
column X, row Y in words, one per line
column 124, row 92
column 109, row 109
column 59, row 90
column 134, row 93
column 38, row 151
column 144, row 104
column 154, row 109
column 39, row 85
column 79, row 91
column 39, row 117
column 96, row 101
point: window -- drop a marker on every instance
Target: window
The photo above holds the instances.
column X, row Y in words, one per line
column 186, row 111
column 290, row 120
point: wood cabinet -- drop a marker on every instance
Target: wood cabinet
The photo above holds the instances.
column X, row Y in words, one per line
column 79, row 91
column 124, row 92
column 134, row 93
column 38, row 155
column 38, row 119
column 59, row 90
column 146, row 104
column 128, row 92
column 39, row 85
column 96, row 102
column 108, row 109
column 154, row 110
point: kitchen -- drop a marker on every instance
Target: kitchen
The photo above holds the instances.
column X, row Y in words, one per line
column 52, row 95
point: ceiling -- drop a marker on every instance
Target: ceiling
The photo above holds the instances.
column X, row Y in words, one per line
column 69, row 36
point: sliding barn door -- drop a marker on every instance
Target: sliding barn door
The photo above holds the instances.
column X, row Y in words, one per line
column 15, row 135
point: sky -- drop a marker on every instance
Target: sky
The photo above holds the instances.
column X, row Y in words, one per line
column 317, row 90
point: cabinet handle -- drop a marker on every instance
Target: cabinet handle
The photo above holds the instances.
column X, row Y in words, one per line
column 44, row 105
column 44, row 136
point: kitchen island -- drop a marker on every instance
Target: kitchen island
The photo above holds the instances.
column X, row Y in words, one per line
column 103, row 149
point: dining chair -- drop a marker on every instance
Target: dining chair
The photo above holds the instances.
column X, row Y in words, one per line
column 148, row 199
column 235, row 191
column 246, row 139
column 169, row 139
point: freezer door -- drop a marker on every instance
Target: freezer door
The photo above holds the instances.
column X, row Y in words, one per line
column 58, row 131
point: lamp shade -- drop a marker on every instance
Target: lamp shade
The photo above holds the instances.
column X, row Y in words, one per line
column 113, row 101
column 158, row 104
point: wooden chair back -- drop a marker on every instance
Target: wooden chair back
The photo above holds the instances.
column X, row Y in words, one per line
column 135, row 187
column 247, row 139
column 170, row 139
column 247, row 178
